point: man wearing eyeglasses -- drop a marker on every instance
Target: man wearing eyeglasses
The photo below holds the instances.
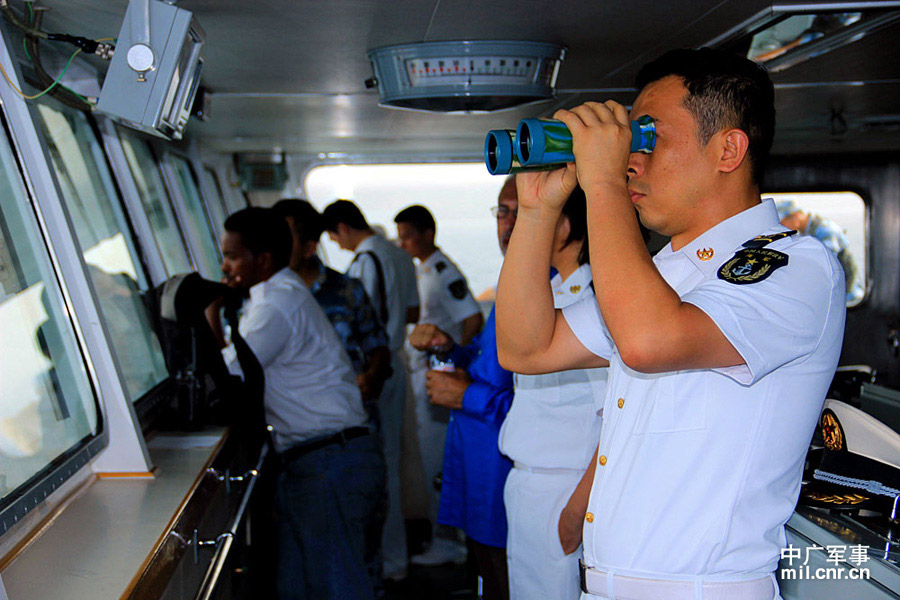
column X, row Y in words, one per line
column 480, row 393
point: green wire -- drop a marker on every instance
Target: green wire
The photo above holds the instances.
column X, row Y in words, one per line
column 56, row 81
column 30, row 21
column 85, row 100
column 29, row 3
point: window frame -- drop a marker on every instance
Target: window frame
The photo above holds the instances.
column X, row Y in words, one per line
column 135, row 244
column 213, row 197
column 31, row 493
column 112, row 135
column 170, row 177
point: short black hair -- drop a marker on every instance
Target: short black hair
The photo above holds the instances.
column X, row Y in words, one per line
column 419, row 217
column 343, row 211
column 263, row 230
column 307, row 220
column 575, row 211
column 724, row 90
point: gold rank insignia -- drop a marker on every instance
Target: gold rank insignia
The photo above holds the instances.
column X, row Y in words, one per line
column 751, row 265
column 705, row 253
column 575, row 289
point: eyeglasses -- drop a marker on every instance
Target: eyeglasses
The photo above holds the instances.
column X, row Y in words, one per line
column 502, row 211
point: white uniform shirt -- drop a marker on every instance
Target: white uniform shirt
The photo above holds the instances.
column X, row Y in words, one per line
column 699, row 470
column 444, row 296
column 310, row 385
column 399, row 283
column 554, row 422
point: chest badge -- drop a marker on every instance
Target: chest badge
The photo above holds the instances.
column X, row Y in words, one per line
column 705, row 253
column 751, row 265
column 575, row 289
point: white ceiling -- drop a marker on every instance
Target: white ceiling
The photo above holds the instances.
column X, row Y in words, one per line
column 290, row 73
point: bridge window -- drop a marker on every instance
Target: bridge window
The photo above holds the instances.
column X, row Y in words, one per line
column 838, row 220
column 195, row 219
column 105, row 238
column 458, row 195
column 215, row 199
column 156, row 203
column 48, row 410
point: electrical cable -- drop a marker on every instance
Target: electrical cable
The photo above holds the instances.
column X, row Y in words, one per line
column 52, row 85
column 61, row 93
column 11, row 16
column 33, row 33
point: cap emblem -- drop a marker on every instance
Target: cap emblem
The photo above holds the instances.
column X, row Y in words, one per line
column 832, row 434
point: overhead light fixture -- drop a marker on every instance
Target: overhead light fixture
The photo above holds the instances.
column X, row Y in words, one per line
column 465, row 76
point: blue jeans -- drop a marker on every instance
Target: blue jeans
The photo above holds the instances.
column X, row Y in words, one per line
column 327, row 502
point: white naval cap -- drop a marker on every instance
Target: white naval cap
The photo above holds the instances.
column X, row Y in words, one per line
column 860, row 464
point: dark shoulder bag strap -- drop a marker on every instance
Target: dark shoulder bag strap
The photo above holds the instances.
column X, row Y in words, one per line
column 383, row 313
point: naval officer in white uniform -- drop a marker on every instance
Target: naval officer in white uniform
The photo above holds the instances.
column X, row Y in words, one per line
column 388, row 275
column 721, row 347
column 445, row 301
column 551, row 433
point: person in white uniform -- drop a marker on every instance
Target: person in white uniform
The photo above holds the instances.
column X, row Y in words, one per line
column 445, row 301
column 721, row 347
column 389, row 277
column 550, row 433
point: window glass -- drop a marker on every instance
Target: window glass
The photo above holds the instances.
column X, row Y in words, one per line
column 198, row 223
column 109, row 252
column 838, row 220
column 796, row 31
column 458, row 195
column 47, row 407
column 216, row 203
column 156, row 204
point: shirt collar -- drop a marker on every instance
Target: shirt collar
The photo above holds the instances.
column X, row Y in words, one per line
column 258, row 291
column 573, row 288
column 432, row 259
column 369, row 243
column 717, row 243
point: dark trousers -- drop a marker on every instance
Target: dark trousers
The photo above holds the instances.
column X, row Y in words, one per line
column 491, row 563
column 327, row 502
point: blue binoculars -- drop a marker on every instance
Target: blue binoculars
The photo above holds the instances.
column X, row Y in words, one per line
column 543, row 144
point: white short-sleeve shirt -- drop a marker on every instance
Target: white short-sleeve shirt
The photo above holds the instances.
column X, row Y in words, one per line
column 444, row 296
column 699, row 470
column 553, row 422
column 399, row 283
column 310, row 384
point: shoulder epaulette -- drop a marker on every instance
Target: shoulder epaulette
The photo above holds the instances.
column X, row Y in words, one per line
column 764, row 240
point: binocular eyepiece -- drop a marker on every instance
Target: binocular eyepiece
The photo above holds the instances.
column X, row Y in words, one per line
column 543, row 144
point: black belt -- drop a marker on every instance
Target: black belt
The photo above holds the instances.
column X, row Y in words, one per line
column 304, row 448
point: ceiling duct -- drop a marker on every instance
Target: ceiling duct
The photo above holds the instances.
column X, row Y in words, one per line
column 465, row 76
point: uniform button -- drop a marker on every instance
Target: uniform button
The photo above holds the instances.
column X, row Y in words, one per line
column 589, row 517
column 621, row 402
column 602, row 460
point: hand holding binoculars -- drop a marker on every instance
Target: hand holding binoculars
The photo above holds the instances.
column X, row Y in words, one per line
column 543, row 144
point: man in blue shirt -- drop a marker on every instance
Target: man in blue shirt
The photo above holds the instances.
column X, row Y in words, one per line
column 480, row 392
